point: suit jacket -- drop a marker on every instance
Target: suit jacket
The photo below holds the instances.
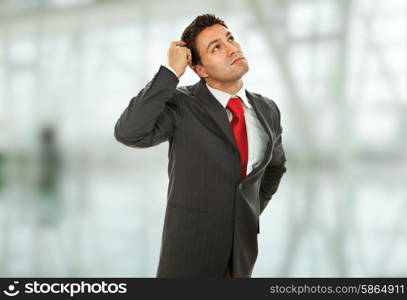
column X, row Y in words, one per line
column 211, row 212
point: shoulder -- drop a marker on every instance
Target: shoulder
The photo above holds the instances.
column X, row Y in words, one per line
column 270, row 104
column 184, row 90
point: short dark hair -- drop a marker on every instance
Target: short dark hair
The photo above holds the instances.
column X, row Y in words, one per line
column 196, row 27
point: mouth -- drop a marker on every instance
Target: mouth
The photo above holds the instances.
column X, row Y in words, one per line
column 237, row 60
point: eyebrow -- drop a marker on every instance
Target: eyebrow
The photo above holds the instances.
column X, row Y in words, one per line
column 217, row 40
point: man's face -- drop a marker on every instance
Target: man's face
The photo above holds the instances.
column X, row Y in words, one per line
column 221, row 56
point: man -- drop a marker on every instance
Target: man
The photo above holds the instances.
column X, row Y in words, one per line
column 225, row 153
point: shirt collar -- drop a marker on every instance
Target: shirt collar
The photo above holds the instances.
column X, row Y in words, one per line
column 224, row 97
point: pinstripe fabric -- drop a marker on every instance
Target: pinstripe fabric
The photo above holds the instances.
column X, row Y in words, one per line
column 212, row 215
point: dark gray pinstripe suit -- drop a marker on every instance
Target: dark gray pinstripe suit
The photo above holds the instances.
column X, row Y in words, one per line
column 212, row 216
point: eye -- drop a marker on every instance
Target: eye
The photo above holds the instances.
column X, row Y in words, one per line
column 216, row 47
column 231, row 38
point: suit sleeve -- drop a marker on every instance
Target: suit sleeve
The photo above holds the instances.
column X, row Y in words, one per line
column 274, row 171
column 153, row 115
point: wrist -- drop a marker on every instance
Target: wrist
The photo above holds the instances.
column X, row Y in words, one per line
column 171, row 69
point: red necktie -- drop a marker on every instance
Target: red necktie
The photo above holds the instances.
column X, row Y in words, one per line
column 238, row 126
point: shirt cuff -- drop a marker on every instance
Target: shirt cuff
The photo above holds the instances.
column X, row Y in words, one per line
column 171, row 69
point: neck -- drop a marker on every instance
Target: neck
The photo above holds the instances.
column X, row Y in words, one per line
column 228, row 87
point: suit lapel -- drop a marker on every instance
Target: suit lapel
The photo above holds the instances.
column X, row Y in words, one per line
column 215, row 110
column 259, row 107
column 257, row 104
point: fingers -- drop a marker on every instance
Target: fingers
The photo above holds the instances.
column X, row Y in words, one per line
column 179, row 56
column 178, row 43
column 181, row 44
column 189, row 57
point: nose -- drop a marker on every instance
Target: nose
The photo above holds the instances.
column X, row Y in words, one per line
column 232, row 49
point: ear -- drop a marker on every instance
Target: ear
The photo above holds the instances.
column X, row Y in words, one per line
column 200, row 71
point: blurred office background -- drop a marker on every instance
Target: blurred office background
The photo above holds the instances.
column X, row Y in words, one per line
column 74, row 202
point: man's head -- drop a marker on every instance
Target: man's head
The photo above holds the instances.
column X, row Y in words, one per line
column 214, row 50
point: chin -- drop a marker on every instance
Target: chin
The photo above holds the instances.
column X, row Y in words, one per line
column 231, row 76
column 243, row 72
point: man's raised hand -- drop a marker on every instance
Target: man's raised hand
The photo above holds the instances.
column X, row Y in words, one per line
column 179, row 57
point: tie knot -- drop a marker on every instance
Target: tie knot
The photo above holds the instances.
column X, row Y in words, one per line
column 235, row 105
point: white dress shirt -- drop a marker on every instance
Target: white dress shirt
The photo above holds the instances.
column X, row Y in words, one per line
column 256, row 136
